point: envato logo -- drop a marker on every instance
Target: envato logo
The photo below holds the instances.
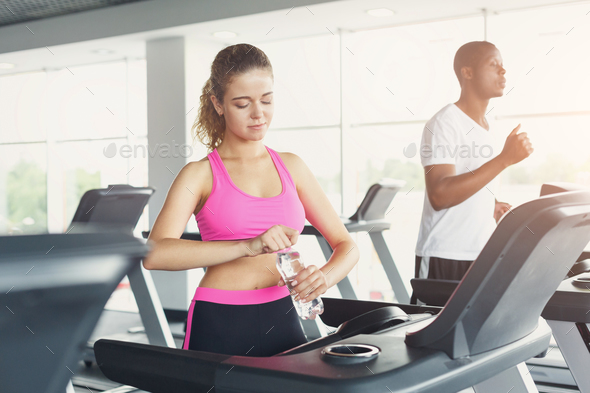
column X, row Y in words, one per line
column 163, row 150
column 452, row 151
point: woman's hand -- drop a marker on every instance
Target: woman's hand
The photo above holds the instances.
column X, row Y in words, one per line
column 277, row 237
column 309, row 283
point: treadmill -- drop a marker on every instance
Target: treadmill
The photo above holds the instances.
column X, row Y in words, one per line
column 480, row 339
column 568, row 315
column 117, row 209
column 54, row 288
column 563, row 365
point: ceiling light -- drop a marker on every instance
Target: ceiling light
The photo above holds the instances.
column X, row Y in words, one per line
column 224, row 34
column 380, row 12
column 6, row 66
column 103, row 52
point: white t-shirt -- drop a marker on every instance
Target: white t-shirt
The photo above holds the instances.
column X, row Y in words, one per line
column 459, row 232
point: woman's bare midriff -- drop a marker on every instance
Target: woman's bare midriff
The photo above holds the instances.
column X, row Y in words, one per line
column 243, row 274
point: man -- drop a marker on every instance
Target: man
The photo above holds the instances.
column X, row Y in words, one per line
column 459, row 208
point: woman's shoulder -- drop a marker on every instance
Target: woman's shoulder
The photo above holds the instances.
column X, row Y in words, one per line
column 200, row 169
column 291, row 160
column 195, row 166
column 295, row 165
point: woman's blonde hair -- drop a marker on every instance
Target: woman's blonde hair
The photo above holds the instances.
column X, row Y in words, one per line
column 232, row 61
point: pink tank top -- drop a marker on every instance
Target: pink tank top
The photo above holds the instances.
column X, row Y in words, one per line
column 231, row 214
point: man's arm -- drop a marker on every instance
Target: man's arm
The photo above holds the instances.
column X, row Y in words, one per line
column 446, row 189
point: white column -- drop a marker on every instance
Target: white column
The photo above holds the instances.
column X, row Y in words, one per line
column 166, row 81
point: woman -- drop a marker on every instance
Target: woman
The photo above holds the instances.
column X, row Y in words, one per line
column 249, row 202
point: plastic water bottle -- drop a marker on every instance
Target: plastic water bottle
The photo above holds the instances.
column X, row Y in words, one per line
column 289, row 264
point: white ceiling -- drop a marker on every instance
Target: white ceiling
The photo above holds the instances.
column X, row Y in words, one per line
column 317, row 19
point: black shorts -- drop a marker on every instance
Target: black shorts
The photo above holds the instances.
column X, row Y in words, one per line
column 441, row 268
column 247, row 330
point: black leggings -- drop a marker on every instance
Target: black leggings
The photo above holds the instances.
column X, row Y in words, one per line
column 246, row 330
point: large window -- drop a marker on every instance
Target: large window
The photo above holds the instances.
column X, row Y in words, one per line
column 548, row 89
column 23, row 188
column 57, row 131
